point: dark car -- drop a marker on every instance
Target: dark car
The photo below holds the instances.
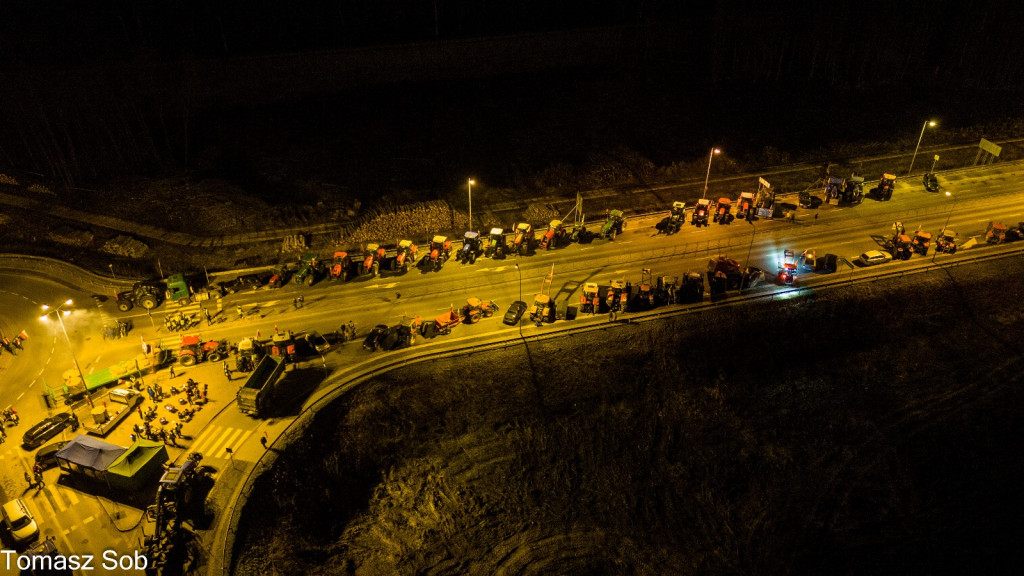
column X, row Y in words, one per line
column 375, row 340
column 48, row 428
column 247, row 282
column 47, row 455
column 515, row 313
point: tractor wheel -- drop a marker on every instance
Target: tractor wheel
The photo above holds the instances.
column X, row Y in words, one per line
column 187, row 360
column 124, row 305
column 472, row 257
column 214, row 357
column 376, row 268
column 310, row 280
column 611, row 235
column 952, row 250
column 148, row 302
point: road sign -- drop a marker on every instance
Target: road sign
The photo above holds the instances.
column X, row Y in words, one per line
column 990, row 147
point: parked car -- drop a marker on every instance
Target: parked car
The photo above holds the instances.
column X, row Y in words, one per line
column 247, row 282
column 48, row 428
column 515, row 313
column 47, row 455
column 872, row 257
column 317, row 342
column 375, row 339
column 18, row 521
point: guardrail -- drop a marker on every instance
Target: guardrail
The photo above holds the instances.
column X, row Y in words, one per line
column 380, row 364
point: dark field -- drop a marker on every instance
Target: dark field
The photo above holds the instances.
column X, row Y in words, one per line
column 872, row 430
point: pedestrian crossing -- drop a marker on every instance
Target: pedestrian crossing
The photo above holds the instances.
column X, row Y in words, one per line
column 215, row 440
column 49, row 502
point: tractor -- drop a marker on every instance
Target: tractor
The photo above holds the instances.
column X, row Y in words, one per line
column 543, row 309
column 691, row 288
column 406, row 254
column 475, row 309
column 193, row 351
column 440, row 251
column 406, row 331
column 946, row 242
column 589, row 301
column 745, row 205
column 674, row 221
column 723, row 213
column 341, row 266
column 921, row 243
column 853, row 191
column 666, row 290
column 885, row 187
column 472, row 248
column 311, row 269
column 555, row 235
column 644, row 297
column 723, row 275
column 900, row 245
column 283, row 345
column 145, row 294
column 833, row 188
column 441, row 325
column 522, row 243
column 700, row 213
column 372, row 257
column 996, row 233
column 613, row 225
column 495, row 247
column 617, row 297
column 278, row 277
column 249, row 353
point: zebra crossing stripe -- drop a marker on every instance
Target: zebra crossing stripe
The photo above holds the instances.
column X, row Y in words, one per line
column 219, row 448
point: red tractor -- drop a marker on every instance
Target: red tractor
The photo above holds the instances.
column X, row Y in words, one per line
column 475, row 309
column 589, row 300
column 745, row 205
column 193, row 351
column 372, row 257
column 555, row 235
column 440, row 251
column 722, row 211
column 406, row 254
column 523, row 241
column 340, row 267
column 700, row 213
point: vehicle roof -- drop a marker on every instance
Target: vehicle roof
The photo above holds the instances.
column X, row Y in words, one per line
column 704, row 202
column 724, row 201
column 471, row 235
column 924, row 234
column 678, row 204
column 497, row 231
column 15, row 509
column 405, row 243
column 473, row 301
column 522, row 226
column 439, row 239
column 618, row 283
column 372, row 247
column 590, row 286
column 542, row 298
column 746, row 194
column 948, row 233
column 341, row 254
column 555, row 223
column 875, row 254
column 189, row 340
column 889, row 176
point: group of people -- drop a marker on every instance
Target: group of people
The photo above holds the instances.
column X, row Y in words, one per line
column 157, row 433
column 36, row 480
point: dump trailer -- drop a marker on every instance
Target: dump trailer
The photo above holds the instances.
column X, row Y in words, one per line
column 255, row 396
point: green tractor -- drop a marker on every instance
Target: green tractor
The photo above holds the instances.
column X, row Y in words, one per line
column 613, row 225
column 311, row 269
column 145, row 294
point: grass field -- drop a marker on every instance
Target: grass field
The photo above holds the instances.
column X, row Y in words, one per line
column 869, row 430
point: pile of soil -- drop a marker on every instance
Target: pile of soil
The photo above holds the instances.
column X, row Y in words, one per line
column 866, row 430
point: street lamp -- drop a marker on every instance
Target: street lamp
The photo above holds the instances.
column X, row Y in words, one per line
column 469, row 189
column 59, row 312
column 946, row 225
column 914, row 157
column 708, row 176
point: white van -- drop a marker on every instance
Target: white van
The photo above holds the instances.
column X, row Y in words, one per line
column 19, row 521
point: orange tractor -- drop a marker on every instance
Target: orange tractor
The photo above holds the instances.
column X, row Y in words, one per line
column 340, row 267
column 194, row 351
column 406, row 254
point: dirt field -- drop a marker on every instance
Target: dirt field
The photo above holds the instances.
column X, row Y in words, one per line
column 870, row 431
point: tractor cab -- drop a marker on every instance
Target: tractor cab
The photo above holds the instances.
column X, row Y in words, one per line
column 340, row 266
column 406, row 254
column 700, row 213
column 921, row 243
column 589, row 301
column 553, row 236
column 522, row 243
column 495, row 243
column 723, row 211
column 885, row 186
column 946, row 242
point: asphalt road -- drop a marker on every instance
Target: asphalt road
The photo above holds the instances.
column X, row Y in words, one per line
column 84, row 523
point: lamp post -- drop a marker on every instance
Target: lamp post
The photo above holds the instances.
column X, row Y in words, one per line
column 520, row 323
column 927, row 123
column 58, row 312
column 708, row 176
column 469, row 190
column 946, row 225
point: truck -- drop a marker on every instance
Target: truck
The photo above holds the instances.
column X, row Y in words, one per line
column 255, row 396
column 122, row 402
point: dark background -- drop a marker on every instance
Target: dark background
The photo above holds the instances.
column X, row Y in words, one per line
column 374, row 97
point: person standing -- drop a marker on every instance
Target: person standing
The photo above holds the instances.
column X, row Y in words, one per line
column 173, row 375
column 241, row 314
column 227, row 371
column 263, row 440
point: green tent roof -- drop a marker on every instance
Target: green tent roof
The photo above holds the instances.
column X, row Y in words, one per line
column 136, row 457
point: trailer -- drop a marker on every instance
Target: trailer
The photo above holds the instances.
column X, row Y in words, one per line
column 122, row 402
column 255, row 396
